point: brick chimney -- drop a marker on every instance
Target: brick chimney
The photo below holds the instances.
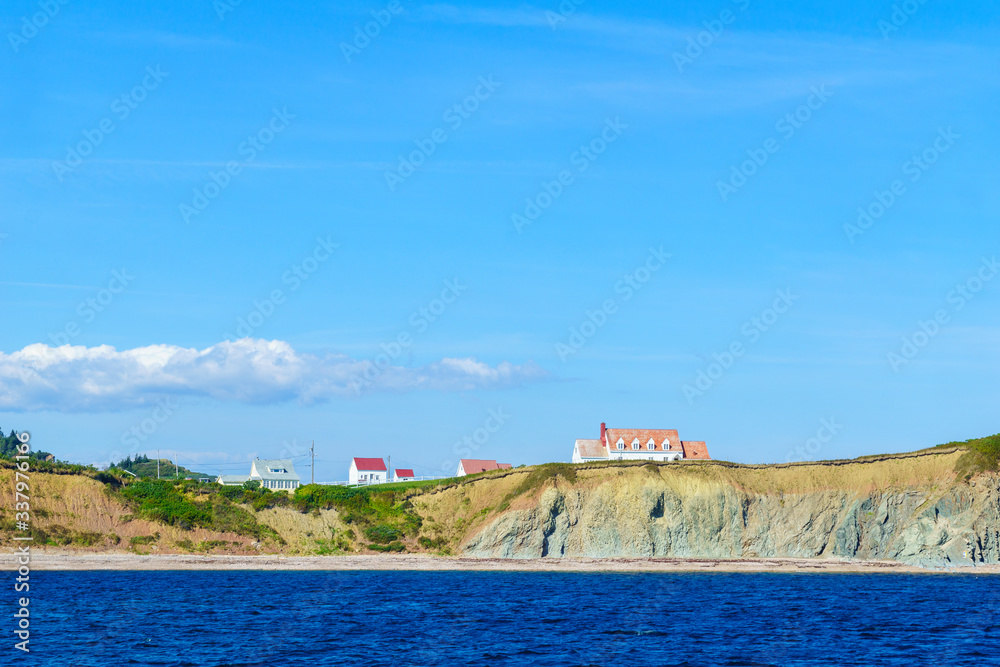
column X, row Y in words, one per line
column 604, row 427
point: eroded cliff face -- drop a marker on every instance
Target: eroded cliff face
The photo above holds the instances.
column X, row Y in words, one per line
column 911, row 511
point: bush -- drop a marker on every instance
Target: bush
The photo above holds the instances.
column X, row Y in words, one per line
column 428, row 543
column 392, row 546
column 382, row 534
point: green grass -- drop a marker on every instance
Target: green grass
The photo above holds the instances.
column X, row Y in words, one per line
column 187, row 504
column 383, row 515
column 983, row 454
column 539, row 477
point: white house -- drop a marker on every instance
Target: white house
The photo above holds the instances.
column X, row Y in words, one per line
column 367, row 471
column 472, row 466
column 275, row 474
column 403, row 475
column 625, row 444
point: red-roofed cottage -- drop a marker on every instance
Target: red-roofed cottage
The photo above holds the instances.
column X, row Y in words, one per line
column 367, row 471
column 638, row 444
column 472, row 466
column 403, row 475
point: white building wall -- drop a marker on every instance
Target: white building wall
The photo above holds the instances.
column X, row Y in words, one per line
column 354, row 476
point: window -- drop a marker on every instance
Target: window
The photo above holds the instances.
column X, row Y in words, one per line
column 635, row 444
column 621, row 444
column 651, row 445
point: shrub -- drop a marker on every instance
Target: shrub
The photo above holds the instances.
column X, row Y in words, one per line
column 87, row 539
column 392, row 546
column 382, row 534
column 428, row 543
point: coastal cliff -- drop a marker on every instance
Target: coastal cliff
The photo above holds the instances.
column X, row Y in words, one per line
column 934, row 508
column 895, row 513
column 915, row 509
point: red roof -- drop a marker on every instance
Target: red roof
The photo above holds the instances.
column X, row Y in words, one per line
column 369, row 465
column 695, row 449
column 504, row 466
column 404, row 472
column 471, row 466
column 658, row 435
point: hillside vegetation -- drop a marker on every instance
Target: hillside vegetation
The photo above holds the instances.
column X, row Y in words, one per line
column 929, row 507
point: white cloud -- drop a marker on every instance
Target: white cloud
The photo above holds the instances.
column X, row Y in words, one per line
column 77, row 378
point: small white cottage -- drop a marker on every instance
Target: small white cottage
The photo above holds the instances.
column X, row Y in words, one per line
column 367, row 471
column 403, row 475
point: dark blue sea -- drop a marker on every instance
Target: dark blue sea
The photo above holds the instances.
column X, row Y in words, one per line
column 488, row 618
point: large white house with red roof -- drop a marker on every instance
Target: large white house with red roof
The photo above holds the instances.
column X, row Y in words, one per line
column 638, row 444
column 367, row 471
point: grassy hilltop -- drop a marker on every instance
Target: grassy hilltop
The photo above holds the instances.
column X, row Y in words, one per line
column 929, row 506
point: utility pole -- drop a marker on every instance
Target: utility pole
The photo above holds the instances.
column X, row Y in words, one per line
column 157, row 464
column 177, row 474
column 312, row 462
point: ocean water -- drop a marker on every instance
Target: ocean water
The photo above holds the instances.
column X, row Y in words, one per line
column 490, row 618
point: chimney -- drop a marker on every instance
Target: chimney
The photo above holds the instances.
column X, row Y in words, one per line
column 604, row 427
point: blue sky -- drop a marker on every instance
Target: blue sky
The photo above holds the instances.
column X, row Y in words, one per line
column 611, row 119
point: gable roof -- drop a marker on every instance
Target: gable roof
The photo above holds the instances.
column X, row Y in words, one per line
column 695, row 449
column 504, row 466
column 404, row 472
column 233, row 479
column 592, row 449
column 369, row 465
column 658, row 435
column 273, row 469
column 471, row 466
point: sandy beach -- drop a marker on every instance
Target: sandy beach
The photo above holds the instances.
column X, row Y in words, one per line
column 68, row 560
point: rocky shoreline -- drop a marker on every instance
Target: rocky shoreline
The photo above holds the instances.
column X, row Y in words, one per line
column 68, row 560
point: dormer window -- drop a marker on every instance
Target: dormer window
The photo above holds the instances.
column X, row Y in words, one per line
column 635, row 444
column 666, row 444
column 621, row 444
column 651, row 445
